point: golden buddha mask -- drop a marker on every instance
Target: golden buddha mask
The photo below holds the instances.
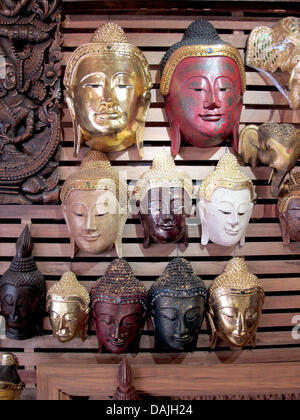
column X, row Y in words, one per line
column 68, row 307
column 278, row 48
column 95, row 206
column 108, row 84
column 289, row 209
column 235, row 302
column 225, row 205
column 273, row 144
column 11, row 386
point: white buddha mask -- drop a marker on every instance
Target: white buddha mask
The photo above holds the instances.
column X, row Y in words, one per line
column 226, row 204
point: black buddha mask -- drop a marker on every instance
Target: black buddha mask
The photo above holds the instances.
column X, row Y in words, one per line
column 22, row 293
column 178, row 303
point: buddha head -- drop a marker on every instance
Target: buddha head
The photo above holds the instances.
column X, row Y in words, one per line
column 178, row 304
column 95, row 206
column 273, row 144
column 68, row 306
column 164, row 198
column 226, row 201
column 203, row 81
column 120, row 308
column 235, row 304
column 23, row 292
column 278, row 49
column 108, row 84
column 289, row 209
column 11, row 386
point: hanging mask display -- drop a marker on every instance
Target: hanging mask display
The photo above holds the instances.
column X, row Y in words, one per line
column 119, row 307
column 164, row 198
column 178, row 304
column 203, row 81
column 95, row 206
column 226, row 201
column 278, row 49
column 11, row 386
column 23, row 293
column 108, row 83
column 68, row 306
column 235, row 303
column 275, row 145
column 289, row 209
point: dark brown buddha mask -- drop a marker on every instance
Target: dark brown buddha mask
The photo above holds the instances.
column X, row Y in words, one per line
column 178, row 303
column 203, row 80
column 289, row 209
column 119, row 307
column 22, row 293
column 164, row 199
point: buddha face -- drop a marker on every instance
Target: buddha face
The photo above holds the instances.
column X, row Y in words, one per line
column 68, row 319
column 290, row 221
column 205, row 100
column 178, row 321
column 93, row 220
column 235, row 317
column 19, row 307
column 109, row 101
column 225, row 218
column 163, row 213
column 119, row 326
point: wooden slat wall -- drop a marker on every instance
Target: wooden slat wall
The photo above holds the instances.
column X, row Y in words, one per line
column 277, row 265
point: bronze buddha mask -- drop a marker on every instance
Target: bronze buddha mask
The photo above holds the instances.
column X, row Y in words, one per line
column 95, row 206
column 108, row 84
column 22, row 293
column 275, row 145
column 11, row 386
column 120, row 308
column 203, row 81
column 235, row 304
column 68, row 306
column 289, row 209
column 278, row 48
column 225, row 205
column 164, row 199
column 178, row 304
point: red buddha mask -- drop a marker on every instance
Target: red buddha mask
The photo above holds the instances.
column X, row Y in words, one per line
column 289, row 209
column 120, row 308
column 203, row 81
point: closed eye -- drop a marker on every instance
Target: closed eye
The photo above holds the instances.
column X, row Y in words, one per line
column 225, row 212
column 93, row 85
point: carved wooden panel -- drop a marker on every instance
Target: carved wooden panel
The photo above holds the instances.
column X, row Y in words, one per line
column 30, row 69
column 263, row 381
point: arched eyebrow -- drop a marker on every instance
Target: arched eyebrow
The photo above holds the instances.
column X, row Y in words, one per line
column 123, row 74
column 102, row 75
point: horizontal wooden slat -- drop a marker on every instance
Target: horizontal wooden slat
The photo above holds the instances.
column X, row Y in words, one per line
column 131, row 231
column 83, row 22
column 147, row 342
column 140, row 269
column 137, row 250
column 151, row 39
column 157, row 115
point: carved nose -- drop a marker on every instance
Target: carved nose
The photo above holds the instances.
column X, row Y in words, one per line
column 211, row 101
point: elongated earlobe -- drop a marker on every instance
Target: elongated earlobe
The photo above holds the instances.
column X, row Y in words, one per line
column 214, row 336
column 174, row 131
column 146, row 231
column 284, row 231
